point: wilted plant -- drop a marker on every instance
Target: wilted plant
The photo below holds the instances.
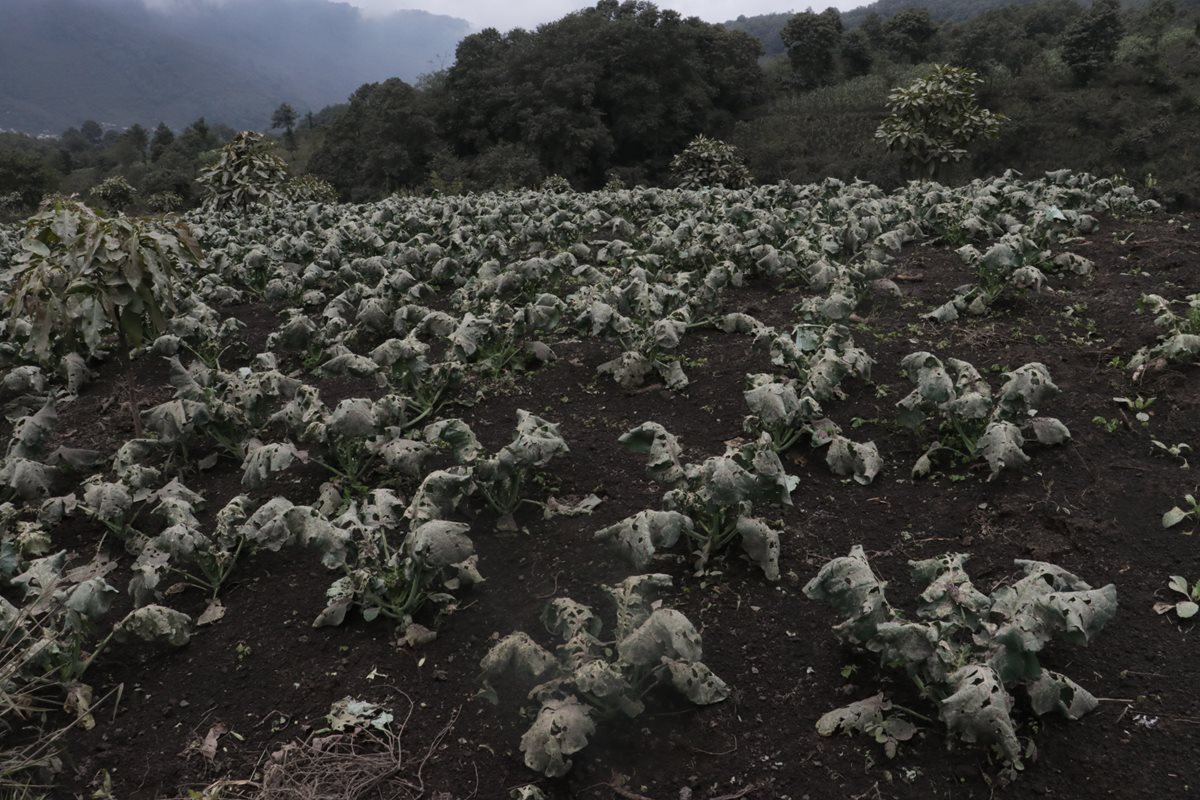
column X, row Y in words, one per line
column 501, row 479
column 709, row 504
column 589, row 680
column 1179, row 341
column 974, row 424
column 247, row 173
column 396, row 581
column 710, row 163
column 965, row 651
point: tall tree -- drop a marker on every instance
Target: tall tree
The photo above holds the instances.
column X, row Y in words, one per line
column 163, row 138
column 285, row 117
column 1090, row 44
column 381, row 143
column 92, row 131
column 812, row 41
column 909, row 33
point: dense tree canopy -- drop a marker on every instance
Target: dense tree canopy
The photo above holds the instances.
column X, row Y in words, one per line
column 381, row 143
column 620, row 85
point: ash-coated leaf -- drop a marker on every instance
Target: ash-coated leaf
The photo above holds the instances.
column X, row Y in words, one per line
column 761, row 545
column 520, row 656
column 696, row 682
column 155, row 623
column 979, row 710
column 661, row 448
column 561, row 729
column 635, row 598
column 639, row 537
column 666, row 633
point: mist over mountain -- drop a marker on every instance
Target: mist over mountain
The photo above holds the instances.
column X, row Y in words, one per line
column 121, row 61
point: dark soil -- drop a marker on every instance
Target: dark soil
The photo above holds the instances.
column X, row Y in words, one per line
column 1093, row 507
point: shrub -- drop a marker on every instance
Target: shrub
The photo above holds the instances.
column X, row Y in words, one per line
column 114, row 193
column 709, row 162
column 933, row 119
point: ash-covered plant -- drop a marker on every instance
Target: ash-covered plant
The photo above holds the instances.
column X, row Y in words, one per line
column 396, row 579
column 358, row 439
column 114, row 193
column 164, row 202
column 310, row 189
column 589, row 678
column 648, row 348
column 51, row 641
column 502, row 479
column 246, row 173
column 1179, row 340
column 80, row 277
column 1014, row 264
column 710, row 163
column 973, row 423
column 709, row 504
column 787, row 412
column 556, row 184
column 29, row 469
column 964, row 651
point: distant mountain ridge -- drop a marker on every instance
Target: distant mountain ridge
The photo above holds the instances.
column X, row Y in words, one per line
column 117, row 61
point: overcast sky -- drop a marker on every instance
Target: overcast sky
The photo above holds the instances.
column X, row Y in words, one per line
column 530, row 13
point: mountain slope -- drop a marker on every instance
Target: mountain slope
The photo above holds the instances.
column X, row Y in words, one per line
column 63, row 61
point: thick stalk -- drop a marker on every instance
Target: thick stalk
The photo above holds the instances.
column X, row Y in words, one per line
column 129, row 385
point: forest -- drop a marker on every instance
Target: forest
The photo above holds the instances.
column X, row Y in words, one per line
column 616, row 90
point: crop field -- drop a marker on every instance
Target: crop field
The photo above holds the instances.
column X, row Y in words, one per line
column 786, row 492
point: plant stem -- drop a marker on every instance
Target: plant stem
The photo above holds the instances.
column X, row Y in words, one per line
column 129, row 385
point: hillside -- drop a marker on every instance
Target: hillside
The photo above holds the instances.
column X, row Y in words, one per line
column 116, row 61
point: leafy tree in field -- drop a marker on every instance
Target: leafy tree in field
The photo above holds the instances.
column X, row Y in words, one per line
column 163, row 138
column 246, row 173
column 933, row 119
column 1090, row 44
column 381, row 143
column 710, row 163
column 285, row 117
column 114, row 192
column 812, row 41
